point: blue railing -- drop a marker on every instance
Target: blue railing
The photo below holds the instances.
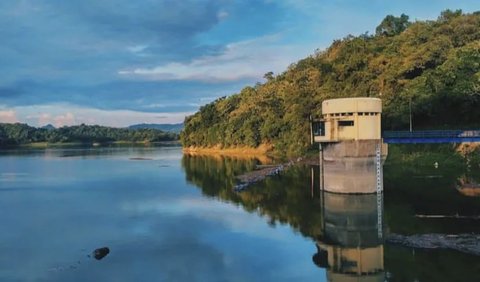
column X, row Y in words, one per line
column 431, row 136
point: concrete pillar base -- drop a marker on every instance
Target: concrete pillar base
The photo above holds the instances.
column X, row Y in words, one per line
column 353, row 149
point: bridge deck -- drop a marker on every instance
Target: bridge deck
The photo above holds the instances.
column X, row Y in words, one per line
column 431, row 136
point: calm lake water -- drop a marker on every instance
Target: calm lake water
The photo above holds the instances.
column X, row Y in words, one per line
column 169, row 217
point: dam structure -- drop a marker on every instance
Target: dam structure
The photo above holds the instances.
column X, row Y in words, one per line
column 348, row 119
column 350, row 140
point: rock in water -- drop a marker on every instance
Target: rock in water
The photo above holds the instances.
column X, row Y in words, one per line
column 100, row 253
column 466, row 243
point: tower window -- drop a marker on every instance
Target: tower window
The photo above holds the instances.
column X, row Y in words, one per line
column 345, row 123
column 318, row 128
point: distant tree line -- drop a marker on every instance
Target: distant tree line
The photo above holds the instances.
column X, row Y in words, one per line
column 18, row 133
column 434, row 66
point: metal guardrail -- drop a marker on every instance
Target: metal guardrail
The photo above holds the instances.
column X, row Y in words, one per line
column 431, row 134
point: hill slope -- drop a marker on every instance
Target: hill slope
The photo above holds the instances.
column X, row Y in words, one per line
column 434, row 64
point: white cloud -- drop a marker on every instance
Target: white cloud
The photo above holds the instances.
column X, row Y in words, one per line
column 66, row 114
column 155, row 106
column 137, row 48
column 230, row 215
column 8, row 116
column 208, row 99
column 65, row 119
column 222, row 15
column 44, row 118
column 244, row 59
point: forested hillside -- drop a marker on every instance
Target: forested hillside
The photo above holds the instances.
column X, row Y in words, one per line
column 435, row 65
column 15, row 134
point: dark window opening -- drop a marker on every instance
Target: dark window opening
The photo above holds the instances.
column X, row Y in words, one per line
column 345, row 123
column 318, row 128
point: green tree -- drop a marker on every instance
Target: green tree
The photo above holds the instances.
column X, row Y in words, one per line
column 392, row 25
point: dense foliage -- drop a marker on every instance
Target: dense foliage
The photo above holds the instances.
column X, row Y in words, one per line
column 432, row 65
column 14, row 134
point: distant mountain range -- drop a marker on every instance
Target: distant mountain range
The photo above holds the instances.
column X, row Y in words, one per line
column 48, row 126
column 175, row 127
column 167, row 127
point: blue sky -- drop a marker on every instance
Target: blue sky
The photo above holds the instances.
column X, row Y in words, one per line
column 123, row 62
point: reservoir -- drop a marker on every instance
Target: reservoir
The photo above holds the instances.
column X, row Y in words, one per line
column 165, row 216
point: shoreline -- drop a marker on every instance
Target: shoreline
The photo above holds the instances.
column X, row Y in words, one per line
column 44, row 145
column 263, row 150
column 244, row 153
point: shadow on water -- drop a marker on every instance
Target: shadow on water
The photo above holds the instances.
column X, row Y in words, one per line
column 348, row 230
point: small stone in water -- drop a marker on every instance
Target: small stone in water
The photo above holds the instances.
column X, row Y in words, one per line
column 101, row 253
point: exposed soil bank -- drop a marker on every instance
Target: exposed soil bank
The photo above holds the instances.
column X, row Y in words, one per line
column 261, row 153
column 261, row 150
column 466, row 243
column 467, row 148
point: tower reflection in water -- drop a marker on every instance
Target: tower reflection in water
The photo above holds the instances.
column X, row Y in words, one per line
column 350, row 246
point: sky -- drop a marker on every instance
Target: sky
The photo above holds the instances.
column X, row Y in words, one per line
column 123, row 62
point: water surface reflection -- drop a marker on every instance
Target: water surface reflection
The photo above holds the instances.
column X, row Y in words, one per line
column 348, row 231
column 351, row 244
column 346, row 228
column 177, row 218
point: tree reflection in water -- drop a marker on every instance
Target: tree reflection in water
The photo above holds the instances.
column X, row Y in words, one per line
column 346, row 229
